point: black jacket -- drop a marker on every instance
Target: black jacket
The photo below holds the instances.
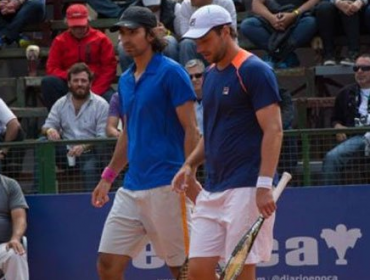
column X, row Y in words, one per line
column 346, row 105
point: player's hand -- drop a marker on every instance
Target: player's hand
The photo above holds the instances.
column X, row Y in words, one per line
column 99, row 196
column 265, row 202
column 185, row 181
column 16, row 245
column 183, row 178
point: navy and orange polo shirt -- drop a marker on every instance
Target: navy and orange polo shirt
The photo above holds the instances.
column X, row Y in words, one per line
column 232, row 135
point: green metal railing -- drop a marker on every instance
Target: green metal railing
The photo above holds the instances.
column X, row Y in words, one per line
column 40, row 170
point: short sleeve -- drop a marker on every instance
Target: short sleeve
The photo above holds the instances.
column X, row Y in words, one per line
column 179, row 86
column 260, row 82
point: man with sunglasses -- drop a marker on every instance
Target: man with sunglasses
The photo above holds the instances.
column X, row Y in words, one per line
column 351, row 110
column 195, row 68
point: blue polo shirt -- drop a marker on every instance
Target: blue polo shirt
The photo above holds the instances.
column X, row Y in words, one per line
column 155, row 135
column 232, row 135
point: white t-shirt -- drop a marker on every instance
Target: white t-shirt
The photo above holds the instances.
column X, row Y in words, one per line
column 5, row 116
column 184, row 12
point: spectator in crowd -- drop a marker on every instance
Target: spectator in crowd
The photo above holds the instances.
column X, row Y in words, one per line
column 115, row 118
column 164, row 11
column 10, row 131
column 78, row 115
column 80, row 43
column 195, row 68
column 188, row 7
column 159, row 132
column 15, row 15
column 110, row 8
column 13, row 224
column 351, row 109
column 349, row 17
column 279, row 27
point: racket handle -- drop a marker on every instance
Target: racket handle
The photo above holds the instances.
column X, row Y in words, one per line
column 285, row 178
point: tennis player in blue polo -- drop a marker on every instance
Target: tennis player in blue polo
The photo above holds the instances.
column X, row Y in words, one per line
column 241, row 147
column 160, row 131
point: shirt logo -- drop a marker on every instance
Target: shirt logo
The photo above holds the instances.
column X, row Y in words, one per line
column 225, row 91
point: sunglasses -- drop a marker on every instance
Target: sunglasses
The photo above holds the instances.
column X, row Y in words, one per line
column 196, row 75
column 364, row 68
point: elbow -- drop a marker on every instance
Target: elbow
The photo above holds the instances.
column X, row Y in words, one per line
column 13, row 127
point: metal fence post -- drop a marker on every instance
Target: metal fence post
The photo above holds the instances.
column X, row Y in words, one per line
column 306, row 159
column 45, row 158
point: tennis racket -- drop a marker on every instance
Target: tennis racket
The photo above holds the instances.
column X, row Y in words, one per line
column 240, row 253
column 184, row 270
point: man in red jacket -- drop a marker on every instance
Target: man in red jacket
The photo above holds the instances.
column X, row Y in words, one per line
column 80, row 43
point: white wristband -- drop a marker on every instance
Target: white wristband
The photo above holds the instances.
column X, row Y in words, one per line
column 264, row 182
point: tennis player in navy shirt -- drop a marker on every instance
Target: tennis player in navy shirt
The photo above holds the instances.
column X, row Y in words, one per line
column 160, row 130
column 241, row 147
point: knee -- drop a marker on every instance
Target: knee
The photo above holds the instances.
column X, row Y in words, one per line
column 325, row 7
column 36, row 9
column 108, row 268
column 198, row 271
column 15, row 259
column 104, row 266
column 50, row 81
column 309, row 23
column 248, row 24
column 330, row 158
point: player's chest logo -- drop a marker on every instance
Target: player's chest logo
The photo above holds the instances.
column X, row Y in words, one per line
column 225, row 91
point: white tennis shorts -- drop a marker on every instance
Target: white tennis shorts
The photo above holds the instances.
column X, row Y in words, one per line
column 219, row 221
column 152, row 215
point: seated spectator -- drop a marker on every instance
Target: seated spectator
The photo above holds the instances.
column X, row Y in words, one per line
column 164, row 10
column 195, row 68
column 109, row 8
column 351, row 109
column 10, row 131
column 78, row 115
column 15, row 15
column 279, row 28
column 188, row 7
column 13, row 224
column 338, row 17
column 80, row 43
column 115, row 118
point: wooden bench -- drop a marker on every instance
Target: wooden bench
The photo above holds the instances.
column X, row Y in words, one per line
column 30, row 112
column 30, row 118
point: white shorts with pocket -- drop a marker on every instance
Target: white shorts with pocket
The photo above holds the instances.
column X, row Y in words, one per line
column 219, row 221
column 152, row 215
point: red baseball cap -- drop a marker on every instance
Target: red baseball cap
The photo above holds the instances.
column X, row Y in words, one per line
column 77, row 15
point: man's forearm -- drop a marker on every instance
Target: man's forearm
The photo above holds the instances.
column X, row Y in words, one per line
column 270, row 152
column 191, row 140
column 19, row 224
column 119, row 159
column 196, row 158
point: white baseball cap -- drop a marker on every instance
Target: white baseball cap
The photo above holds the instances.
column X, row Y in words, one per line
column 147, row 3
column 205, row 18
